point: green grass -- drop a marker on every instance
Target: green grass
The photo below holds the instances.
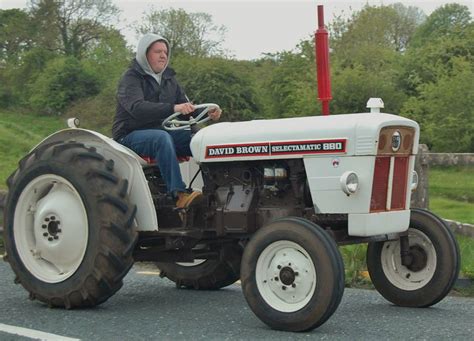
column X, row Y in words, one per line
column 19, row 133
column 466, row 246
column 452, row 193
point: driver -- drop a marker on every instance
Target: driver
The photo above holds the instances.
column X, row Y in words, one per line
column 147, row 94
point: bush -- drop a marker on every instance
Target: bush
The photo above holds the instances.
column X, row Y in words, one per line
column 63, row 80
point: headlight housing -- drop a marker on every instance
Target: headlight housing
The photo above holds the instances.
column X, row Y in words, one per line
column 349, row 182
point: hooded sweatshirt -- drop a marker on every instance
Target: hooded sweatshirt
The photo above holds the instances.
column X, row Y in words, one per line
column 145, row 42
column 145, row 98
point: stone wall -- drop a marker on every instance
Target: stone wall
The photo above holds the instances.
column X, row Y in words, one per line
column 450, row 159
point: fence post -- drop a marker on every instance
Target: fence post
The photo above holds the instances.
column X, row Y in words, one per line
column 420, row 198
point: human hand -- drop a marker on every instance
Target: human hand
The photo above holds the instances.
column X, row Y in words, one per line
column 184, row 108
column 215, row 114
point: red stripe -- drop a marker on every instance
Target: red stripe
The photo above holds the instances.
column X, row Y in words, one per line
column 378, row 200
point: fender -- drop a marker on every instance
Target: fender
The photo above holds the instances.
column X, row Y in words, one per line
column 128, row 165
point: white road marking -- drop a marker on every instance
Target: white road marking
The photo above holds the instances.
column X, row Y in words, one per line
column 33, row 334
column 148, row 272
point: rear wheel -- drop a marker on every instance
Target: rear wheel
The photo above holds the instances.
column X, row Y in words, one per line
column 433, row 269
column 206, row 274
column 292, row 275
column 69, row 231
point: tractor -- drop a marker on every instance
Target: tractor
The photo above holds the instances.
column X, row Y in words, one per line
column 279, row 197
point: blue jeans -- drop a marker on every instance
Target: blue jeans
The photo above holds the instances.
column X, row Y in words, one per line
column 164, row 147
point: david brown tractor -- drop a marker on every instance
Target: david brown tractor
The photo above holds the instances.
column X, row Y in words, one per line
column 279, row 196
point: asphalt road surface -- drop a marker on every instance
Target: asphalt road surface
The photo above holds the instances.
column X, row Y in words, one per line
column 151, row 308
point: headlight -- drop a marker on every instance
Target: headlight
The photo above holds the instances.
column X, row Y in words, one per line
column 349, row 182
column 414, row 181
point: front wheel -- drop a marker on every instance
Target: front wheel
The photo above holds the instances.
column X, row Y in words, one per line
column 433, row 268
column 292, row 275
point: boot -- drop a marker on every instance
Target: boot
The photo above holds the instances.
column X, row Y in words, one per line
column 185, row 199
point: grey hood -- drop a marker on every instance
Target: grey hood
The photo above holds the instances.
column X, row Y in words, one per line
column 142, row 47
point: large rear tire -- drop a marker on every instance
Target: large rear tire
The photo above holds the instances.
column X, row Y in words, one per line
column 69, row 227
column 292, row 275
column 434, row 267
column 206, row 274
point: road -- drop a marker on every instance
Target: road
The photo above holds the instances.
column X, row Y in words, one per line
column 148, row 307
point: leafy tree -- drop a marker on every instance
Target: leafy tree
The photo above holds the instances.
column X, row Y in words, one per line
column 15, row 35
column 188, row 33
column 71, row 26
column 448, row 20
column 445, row 109
column 455, row 38
column 217, row 80
column 387, row 27
column 292, row 85
column 62, row 81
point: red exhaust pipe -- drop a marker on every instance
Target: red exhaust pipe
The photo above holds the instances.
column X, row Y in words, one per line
column 322, row 62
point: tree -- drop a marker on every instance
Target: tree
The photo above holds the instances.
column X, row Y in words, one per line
column 71, row 26
column 437, row 45
column 448, row 20
column 217, row 80
column 15, row 35
column 387, row 27
column 188, row 33
column 62, row 81
column 445, row 109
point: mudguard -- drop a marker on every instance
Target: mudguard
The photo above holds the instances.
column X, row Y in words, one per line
column 127, row 164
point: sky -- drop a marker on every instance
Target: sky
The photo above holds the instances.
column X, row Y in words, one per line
column 255, row 27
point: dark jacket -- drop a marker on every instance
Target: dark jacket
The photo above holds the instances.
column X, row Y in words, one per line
column 142, row 103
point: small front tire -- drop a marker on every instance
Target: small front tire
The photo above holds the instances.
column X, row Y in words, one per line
column 434, row 266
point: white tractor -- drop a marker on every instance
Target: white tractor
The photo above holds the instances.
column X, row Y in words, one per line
column 279, row 196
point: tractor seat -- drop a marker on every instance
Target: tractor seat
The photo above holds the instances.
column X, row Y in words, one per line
column 152, row 161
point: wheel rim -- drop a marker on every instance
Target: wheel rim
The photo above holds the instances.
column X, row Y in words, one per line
column 285, row 275
column 403, row 277
column 50, row 228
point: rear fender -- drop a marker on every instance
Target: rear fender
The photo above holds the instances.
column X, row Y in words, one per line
column 126, row 163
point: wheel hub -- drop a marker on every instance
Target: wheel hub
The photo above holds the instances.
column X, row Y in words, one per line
column 287, row 275
column 419, row 258
column 51, row 227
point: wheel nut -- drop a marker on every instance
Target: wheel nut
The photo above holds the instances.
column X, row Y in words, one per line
column 56, row 237
column 276, row 279
column 45, row 234
column 46, row 219
column 53, row 217
column 279, row 267
column 50, row 239
column 293, row 285
column 296, row 273
column 59, row 231
column 44, row 226
column 283, row 288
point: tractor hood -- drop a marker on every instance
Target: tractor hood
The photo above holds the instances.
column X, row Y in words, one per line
column 351, row 134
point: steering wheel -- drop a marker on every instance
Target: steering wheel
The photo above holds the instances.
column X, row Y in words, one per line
column 172, row 123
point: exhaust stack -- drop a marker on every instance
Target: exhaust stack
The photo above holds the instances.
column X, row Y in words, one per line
column 322, row 62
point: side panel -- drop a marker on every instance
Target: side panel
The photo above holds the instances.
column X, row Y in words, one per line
column 324, row 175
column 373, row 224
column 127, row 165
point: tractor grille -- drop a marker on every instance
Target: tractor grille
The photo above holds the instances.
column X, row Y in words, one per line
column 389, row 188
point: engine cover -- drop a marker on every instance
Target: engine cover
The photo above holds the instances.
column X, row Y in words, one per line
column 352, row 134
